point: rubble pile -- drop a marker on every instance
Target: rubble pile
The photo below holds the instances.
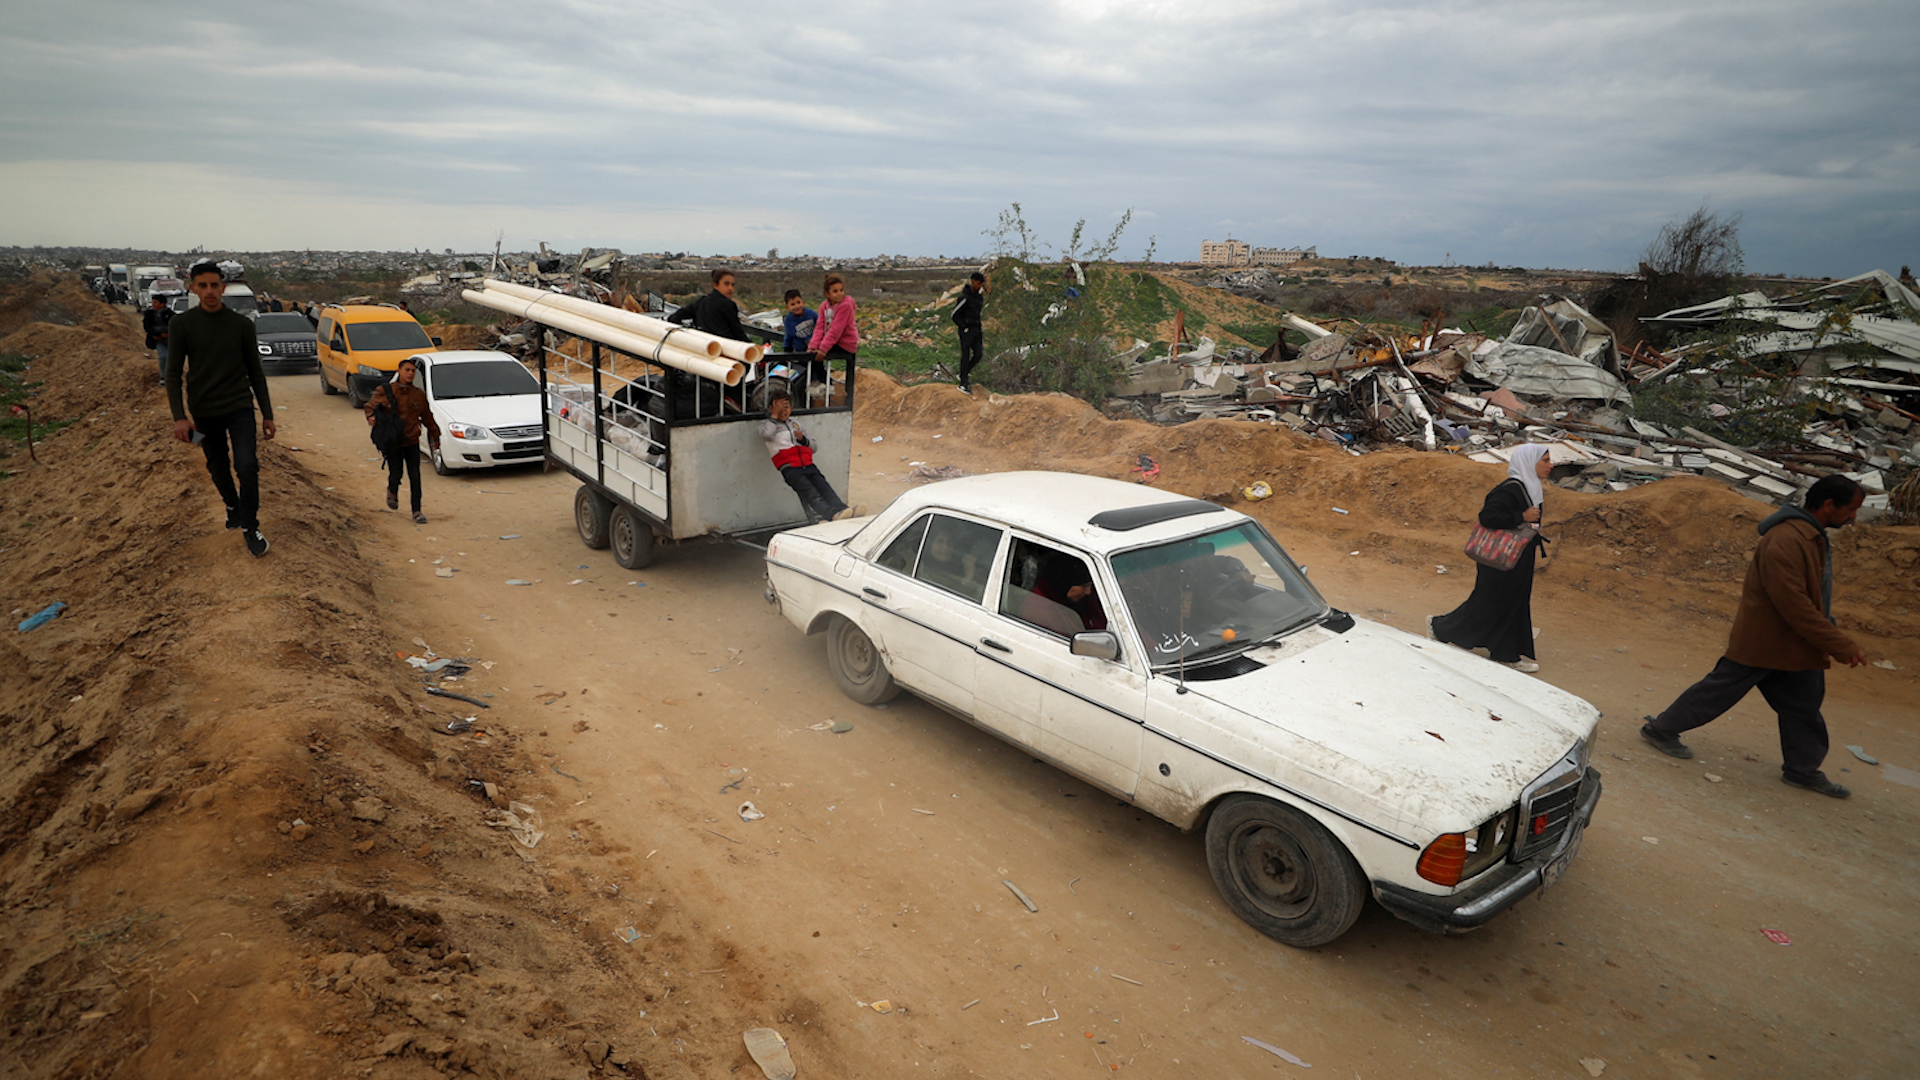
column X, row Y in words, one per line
column 1844, row 358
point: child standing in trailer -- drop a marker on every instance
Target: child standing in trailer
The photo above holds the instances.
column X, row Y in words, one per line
column 793, row 456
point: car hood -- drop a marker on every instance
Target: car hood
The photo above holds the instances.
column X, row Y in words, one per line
column 1428, row 734
column 511, row 410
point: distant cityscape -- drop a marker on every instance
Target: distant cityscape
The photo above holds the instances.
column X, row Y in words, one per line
column 1231, row 252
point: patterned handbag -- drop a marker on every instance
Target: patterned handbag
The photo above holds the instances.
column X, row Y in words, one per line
column 1499, row 549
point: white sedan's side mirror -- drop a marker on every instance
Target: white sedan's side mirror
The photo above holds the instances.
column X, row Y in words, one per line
column 1097, row 643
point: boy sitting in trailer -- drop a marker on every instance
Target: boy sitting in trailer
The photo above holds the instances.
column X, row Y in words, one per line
column 793, row 456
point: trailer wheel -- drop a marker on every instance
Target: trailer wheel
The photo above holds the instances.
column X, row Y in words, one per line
column 590, row 512
column 632, row 539
column 857, row 665
column 1283, row 873
column 325, row 386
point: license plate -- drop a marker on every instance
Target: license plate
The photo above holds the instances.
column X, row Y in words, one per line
column 1559, row 866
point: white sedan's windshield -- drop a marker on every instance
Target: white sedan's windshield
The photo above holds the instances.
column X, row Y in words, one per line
column 1213, row 594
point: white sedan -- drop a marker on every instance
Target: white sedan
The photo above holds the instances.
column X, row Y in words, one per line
column 1167, row 650
column 488, row 406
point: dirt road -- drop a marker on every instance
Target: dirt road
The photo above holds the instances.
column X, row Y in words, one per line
column 230, row 842
column 876, row 874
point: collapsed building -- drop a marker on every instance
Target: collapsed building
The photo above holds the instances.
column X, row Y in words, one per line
column 1820, row 381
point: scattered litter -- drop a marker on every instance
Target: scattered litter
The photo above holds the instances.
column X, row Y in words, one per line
column 518, row 581
column 1594, row 1066
column 1071, row 889
column 1336, row 510
column 1712, row 778
column 1439, row 569
column 750, row 812
column 1023, row 897
column 42, row 617
column 917, row 810
column 642, row 584
column 879, row 438
column 511, row 536
column 445, row 571
column 1257, row 490
column 937, row 436
column 768, row 1048
column 1437, row 735
column 1861, row 753
column 824, row 725
column 1276, row 1051
column 1045, row 1019
column 1900, row 776
column 520, row 820
column 1887, row 664
column 1124, row 979
column 1651, row 839
column 437, row 692
column 969, row 1004
column 627, row 934
column 841, row 727
column 1147, row 468
column 1777, row 937
column 576, row 581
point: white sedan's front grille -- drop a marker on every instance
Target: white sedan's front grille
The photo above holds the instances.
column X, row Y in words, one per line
column 531, row 431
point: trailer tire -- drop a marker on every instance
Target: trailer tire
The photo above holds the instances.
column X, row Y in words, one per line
column 590, row 512
column 857, row 666
column 631, row 537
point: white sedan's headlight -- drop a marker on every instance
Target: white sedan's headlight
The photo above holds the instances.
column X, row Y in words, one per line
column 470, row 432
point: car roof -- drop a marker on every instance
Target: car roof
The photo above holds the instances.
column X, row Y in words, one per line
column 353, row 313
column 1062, row 505
column 468, row 356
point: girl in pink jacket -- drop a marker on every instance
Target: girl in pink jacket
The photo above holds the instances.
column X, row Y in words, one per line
column 835, row 335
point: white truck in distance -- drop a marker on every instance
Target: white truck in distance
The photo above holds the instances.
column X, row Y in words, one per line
column 1167, row 650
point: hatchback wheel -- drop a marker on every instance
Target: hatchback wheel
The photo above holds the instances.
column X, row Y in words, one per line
column 325, row 386
column 857, row 666
column 1282, row 872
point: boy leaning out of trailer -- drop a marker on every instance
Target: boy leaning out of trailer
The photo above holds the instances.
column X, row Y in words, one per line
column 793, row 456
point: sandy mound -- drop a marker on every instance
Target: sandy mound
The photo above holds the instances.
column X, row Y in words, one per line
column 1679, row 543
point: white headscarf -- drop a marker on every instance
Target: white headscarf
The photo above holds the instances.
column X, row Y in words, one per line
column 1523, row 466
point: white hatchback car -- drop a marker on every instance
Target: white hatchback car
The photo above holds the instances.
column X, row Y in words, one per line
column 488, row 406
column 1167, row 650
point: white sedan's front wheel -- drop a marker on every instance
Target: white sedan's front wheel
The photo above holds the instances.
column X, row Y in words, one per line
column 1282, row 872
column 857, row 665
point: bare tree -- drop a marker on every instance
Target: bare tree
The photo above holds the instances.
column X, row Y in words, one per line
column 1702, row 245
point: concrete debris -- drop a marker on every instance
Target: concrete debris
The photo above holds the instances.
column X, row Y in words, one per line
column 1844, row 355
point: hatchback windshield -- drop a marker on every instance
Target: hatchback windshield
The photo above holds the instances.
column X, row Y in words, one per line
column 387, row 335
column 492, row 378
column 282, row 323
column 1214, row 594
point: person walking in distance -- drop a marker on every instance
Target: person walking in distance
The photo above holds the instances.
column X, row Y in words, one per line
column 1783, row 633
column 409, row 403
column 154, row 321
column 1499, row 613
column 213, row 348
column 966, row 320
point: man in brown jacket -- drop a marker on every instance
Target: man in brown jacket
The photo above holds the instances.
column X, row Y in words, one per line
column 402, row 396
column 1783, row 634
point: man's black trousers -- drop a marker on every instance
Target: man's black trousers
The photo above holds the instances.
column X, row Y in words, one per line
column 241, row 461
column 407, row 458
column 972, row 346
column 1794, row 695
column 815, row 493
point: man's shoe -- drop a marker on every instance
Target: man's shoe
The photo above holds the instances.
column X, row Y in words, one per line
column 393, row 500
column 1432, row 635
column 965, row 389
column 256, row 543
column 1823, row 785
column 1525, row 665
column 858, row 510
column 1666, row 744
column 419, row 518
column 233, row 517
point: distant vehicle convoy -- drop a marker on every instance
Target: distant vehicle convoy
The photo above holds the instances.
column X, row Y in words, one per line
column 287, row 344
column 1166, row 650
column 360, row 346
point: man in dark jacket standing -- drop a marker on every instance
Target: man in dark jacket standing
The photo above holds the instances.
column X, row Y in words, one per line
column 216, row 351
column 154, row 321
column 1783, row 634
column 966, row 319
column 715, row 313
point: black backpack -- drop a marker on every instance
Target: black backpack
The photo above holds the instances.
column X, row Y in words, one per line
column 387, row 430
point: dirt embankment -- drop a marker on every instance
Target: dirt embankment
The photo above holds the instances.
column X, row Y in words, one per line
column 158, row 741
column 1678, row 544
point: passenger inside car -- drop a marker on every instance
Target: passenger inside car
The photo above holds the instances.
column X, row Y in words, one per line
column 1052, row 590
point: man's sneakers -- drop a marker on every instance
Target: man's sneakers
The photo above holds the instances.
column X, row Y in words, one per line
column 1823, row 785
column 256, row 544
column 1523, row 664
column 419, row 518
column 393, row 499
column 233, row 517
column 965, row 389
column 859, row 510
column 1666, row 744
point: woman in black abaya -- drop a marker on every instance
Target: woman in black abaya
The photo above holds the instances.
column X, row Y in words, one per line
column 1499, row 614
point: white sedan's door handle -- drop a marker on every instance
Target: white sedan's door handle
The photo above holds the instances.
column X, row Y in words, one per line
column 873, row 592
column 992, row 644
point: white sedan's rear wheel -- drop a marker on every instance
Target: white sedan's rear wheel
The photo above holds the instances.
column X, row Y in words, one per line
column 857, row 665
column 1282, row 872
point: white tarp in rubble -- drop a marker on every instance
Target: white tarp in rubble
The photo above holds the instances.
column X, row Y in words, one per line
column 1799, row 330
column 1569, row 328
column 1530, row 369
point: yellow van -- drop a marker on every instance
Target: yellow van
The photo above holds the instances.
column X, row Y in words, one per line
column 361, row 346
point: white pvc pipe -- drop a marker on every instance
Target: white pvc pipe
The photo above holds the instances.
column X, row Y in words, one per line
column 645, row 325
column 1312, row 330
column 719, row 369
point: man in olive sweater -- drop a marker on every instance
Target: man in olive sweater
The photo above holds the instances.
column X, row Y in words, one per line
column 1783, row 634
column 214, row 347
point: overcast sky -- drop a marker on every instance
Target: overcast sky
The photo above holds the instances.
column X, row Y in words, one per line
column 1537, row 134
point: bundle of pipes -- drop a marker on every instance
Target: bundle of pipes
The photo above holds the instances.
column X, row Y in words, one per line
column 663, row 342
